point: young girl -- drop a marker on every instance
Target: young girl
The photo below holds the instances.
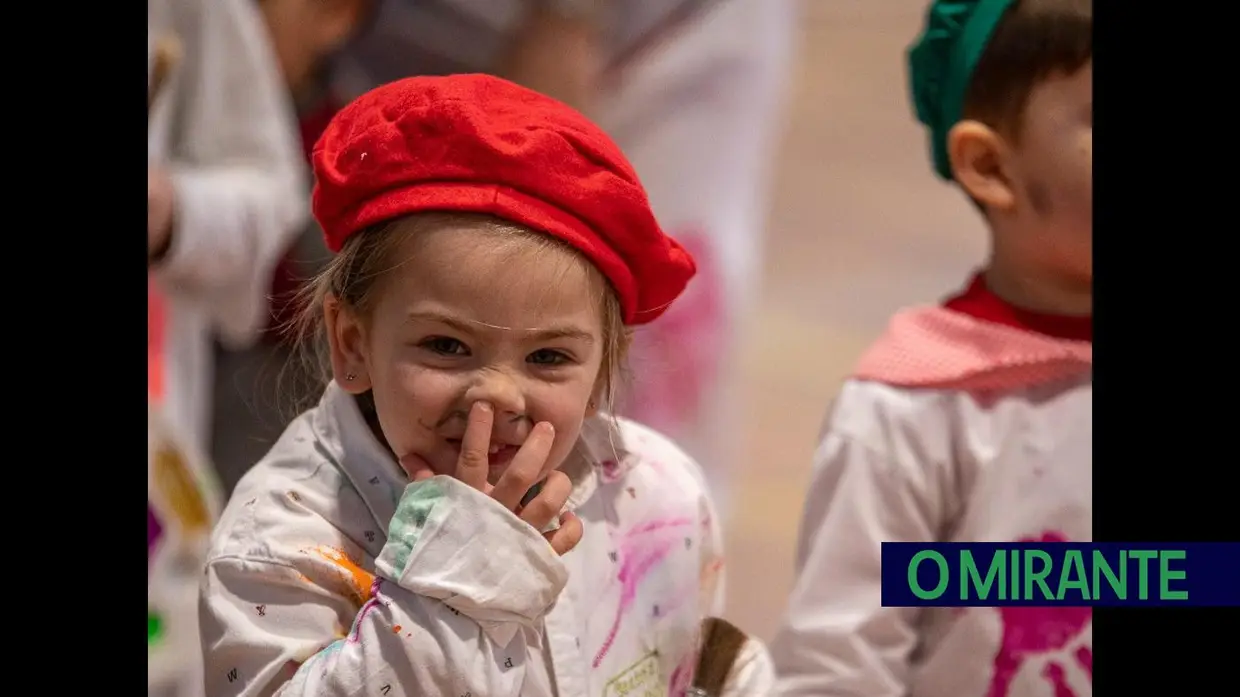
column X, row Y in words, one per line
column 970, row 421
column 692, row 90
column 458, row 516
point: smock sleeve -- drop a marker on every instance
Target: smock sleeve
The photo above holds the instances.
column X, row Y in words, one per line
column 870, row 484
column 753, row 672
column 713, row 589
column 237, row 170
column 458, row 583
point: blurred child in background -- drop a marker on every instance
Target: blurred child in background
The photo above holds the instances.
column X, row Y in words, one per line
column 972, row 420
column 259, row 388
column 225, row 192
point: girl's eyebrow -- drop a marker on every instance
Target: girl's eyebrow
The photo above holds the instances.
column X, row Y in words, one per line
column 441, row 318
column 570, row 333
column 469, row 326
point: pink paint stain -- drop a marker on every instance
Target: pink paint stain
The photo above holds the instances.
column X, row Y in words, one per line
column 156, row 329
column 708, row 524
column 683, row 343
column 154, row 531
column 657, row 525
column 1085, row 658
column 639, row 558
column 610, row 471
column 1031, row 632
column 682, row 677
column 374, row 601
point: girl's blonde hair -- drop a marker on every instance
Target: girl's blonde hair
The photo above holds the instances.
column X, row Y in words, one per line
column 355, row 275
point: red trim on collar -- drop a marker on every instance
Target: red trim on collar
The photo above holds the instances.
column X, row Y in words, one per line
column 979, row 302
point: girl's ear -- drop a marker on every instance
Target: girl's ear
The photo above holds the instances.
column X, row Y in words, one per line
column 604, row 387
column 347, row 336
column 599, row 397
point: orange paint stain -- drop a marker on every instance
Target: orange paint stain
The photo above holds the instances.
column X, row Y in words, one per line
column 396, row 629
column 174, row 480
column 358, row 579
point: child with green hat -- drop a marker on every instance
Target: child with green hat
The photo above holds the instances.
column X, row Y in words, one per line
column 971, row 420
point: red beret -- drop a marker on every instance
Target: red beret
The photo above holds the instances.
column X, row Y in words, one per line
column 476, row 143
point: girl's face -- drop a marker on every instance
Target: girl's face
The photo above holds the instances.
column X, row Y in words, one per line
column 467, row 315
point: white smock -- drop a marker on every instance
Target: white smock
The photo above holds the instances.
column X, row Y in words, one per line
column 331, row 574
column 953, row 429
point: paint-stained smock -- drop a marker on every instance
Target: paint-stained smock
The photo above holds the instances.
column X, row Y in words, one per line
column 952, row 429
column 330, row 574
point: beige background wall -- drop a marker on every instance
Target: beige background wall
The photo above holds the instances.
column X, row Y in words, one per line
column 859, row 227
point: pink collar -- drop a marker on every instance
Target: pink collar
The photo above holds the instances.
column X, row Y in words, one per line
column 935, row 347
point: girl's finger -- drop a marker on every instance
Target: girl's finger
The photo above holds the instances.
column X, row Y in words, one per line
column 416, row 468
column 526, row 467
column 566, row 537
column 472, row 465
column 546, row 506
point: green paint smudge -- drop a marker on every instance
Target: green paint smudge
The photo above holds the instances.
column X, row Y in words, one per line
column 410, row 518
column 154, row 628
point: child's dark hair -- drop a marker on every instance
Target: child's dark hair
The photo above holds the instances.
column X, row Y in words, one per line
column 1035, row 40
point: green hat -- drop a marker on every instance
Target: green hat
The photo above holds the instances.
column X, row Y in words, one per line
column 941, row 64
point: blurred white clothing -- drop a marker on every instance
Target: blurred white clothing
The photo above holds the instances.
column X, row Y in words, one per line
column 223, row 126
column 954, row 429
column 330, row 574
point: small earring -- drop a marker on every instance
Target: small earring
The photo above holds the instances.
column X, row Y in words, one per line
column 350, row 377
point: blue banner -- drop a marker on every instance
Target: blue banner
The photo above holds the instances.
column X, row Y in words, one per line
column 1102, row 574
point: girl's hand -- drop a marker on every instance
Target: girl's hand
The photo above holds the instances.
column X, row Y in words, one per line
column 528, row 467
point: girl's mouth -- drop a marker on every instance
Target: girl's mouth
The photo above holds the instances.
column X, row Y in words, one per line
column 498, row 456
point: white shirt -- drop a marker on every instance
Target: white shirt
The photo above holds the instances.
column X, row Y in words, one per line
column 330, row 574
column 224, row 127
column 953, row 430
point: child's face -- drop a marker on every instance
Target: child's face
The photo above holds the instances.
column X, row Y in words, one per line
column 1055, row 165
column 475, row 317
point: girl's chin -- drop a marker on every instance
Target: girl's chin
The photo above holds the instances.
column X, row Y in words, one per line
column 416, row 467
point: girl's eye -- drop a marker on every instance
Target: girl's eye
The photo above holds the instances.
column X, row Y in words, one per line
column 445, row 346
column 548, row 357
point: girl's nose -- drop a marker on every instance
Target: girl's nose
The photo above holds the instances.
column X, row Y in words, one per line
column 500, row 391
